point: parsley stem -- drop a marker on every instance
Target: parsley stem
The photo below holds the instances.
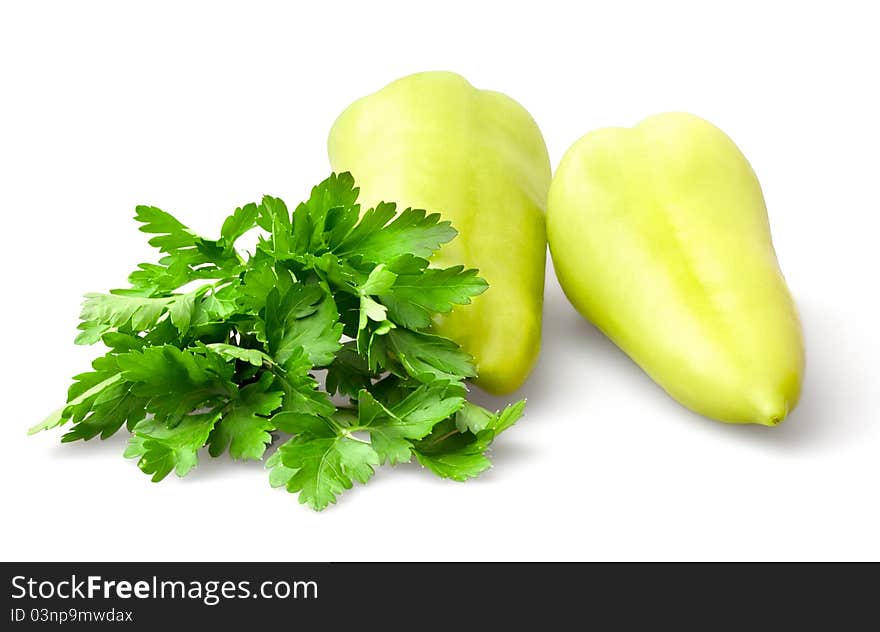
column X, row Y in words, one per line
column 349, row 434
column 442, row 438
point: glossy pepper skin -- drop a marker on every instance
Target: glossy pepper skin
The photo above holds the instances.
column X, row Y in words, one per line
column 659, row 236
column 433, row 141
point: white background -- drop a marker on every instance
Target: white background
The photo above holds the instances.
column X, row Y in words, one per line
column 198, row 108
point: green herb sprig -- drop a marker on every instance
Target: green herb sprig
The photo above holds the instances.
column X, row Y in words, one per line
column 214, row 347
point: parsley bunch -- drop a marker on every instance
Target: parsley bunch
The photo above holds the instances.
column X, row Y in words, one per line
column 215, row 347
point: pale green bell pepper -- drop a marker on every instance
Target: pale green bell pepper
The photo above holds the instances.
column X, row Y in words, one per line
column 433, row 141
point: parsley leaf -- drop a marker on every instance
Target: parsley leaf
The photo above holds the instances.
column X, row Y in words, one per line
column 84, row 392
column 459, row 454
column 241, row 221
column 331, row 207
column 301, row 329
column 413, row 298
column 413, row 232
column 113, row 407
column 321, row 468
column 176, row 382
column 392, row 429
column 160, row 448
column 426, row 357
column 245, row 427
column 171, row 235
